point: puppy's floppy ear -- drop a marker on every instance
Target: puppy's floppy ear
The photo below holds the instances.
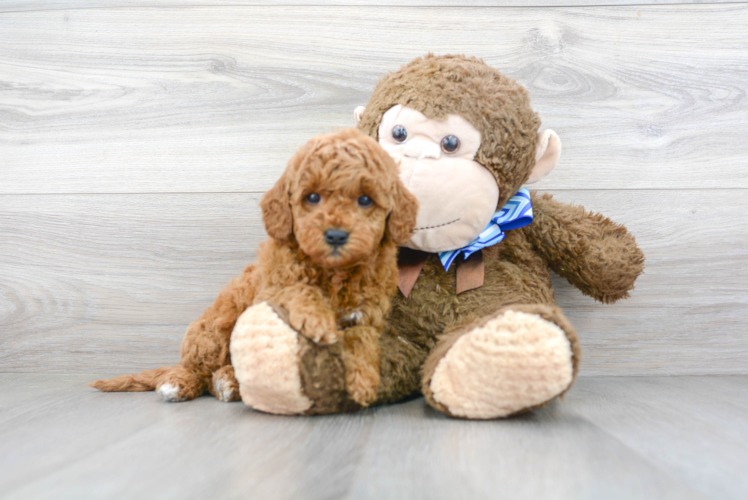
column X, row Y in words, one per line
column 402, row 219
column 276, row 210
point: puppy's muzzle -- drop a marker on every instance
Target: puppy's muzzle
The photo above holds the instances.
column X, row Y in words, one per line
column 336, row 237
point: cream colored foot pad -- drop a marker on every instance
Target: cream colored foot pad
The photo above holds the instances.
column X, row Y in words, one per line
column 265, row 356
column 515, row 361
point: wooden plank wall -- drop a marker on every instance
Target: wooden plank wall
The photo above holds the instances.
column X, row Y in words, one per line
column 33, row 5
column 135, row 143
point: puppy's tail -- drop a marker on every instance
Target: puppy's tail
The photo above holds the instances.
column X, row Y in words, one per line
column 146, row 380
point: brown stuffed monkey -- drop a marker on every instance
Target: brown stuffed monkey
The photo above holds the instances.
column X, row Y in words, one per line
column 475, row 327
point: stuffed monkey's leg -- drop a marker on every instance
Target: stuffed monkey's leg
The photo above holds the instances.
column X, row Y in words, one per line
column 281, row 371
column 514, row 360
column 327, row 379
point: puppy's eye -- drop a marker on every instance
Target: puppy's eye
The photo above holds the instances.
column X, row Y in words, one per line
column 450, row 143
column 399, row 133
column 364, row 201
column 312, row 198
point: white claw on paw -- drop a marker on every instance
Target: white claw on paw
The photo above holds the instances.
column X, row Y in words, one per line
column 170, row 392
column 224, row 391
column 351, row 318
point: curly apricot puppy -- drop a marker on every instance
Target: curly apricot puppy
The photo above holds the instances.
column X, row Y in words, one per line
column 334, row 219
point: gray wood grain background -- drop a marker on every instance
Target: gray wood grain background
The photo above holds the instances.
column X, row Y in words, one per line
column 36, row 5
column 135, row 142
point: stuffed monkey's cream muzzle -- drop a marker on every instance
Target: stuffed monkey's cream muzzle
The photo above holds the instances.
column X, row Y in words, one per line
column 452, row 211
column 456, row 195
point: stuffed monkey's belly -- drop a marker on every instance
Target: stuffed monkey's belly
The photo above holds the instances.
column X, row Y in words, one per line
column 434, row 305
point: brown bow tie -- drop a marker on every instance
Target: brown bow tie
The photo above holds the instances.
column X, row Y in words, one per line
column 470, row 272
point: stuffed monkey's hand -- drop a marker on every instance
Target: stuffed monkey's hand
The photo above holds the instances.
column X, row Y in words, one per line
column 593, row 253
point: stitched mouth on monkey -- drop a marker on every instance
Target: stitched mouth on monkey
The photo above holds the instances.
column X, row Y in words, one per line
column 456, row 197
column 436, row 226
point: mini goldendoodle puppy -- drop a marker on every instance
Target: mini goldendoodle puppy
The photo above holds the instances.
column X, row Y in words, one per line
column 329, row 268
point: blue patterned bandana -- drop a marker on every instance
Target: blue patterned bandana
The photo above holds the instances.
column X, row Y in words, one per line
column 515, row 214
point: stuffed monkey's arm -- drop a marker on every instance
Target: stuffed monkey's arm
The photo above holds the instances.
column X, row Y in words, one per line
column 593, row 253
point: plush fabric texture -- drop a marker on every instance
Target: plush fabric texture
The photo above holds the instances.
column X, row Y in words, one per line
column 268, row 375
column 453, row 221
column 515, row 214
column 513, row 361
column 594, row 254
column 547, row 153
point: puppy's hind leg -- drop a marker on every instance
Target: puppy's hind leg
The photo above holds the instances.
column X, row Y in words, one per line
column 182, row 384
column 205, row 350
column 173, row 383
column 224, row 385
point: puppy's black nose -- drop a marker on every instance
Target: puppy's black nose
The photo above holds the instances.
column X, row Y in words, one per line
column 336, row 237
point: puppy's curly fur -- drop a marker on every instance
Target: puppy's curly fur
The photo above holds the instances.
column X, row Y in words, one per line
column 343, row 182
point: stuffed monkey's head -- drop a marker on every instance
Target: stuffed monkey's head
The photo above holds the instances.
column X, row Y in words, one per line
column 466, row 140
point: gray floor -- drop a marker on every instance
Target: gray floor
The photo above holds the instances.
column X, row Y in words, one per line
column 612, row 437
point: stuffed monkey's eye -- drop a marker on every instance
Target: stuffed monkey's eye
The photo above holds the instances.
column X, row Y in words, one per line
column 364, row 201
column 450, row 144
column 399, row 133
column 312, row 198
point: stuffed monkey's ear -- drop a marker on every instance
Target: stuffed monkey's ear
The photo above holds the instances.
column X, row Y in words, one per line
column 402, row 219
column 276, row 211
column 358, row 113
column 547, row 154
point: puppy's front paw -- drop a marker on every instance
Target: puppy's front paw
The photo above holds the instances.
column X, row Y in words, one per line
column 317, row 327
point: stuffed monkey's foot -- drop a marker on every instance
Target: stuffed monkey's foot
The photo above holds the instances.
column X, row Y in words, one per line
column 265, row 358
column 502, row 365
column 224, row 385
